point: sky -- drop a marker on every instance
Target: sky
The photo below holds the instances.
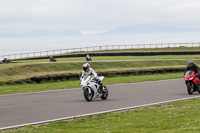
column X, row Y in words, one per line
column 95, row 16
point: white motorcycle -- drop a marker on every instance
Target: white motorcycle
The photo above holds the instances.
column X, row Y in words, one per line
column 91, row 88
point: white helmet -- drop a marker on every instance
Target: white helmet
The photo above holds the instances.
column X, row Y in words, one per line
column 86, row 67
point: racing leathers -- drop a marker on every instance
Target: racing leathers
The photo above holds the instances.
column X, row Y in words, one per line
column 194, row 68
column 91, row 72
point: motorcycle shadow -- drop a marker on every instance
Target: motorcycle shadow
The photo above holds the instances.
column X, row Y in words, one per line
column 95, row 100
column 194, row 94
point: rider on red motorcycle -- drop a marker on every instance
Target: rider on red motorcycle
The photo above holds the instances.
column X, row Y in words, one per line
column 193, row 67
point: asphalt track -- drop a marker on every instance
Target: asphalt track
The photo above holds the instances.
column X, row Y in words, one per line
column 50, row 105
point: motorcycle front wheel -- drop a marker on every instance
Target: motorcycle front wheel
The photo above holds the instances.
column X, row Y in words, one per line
column 105, row 93
column 88, row 94
column 190, row 88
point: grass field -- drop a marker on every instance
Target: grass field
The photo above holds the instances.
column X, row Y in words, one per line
column 27, row 70
column 24, row 88
column 173, row 117
column 118, row 58
column 176, row 117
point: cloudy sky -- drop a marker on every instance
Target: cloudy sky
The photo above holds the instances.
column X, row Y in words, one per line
column 95, row 16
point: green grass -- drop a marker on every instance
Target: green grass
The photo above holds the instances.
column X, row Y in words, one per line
column 24, row 88
column 28, row 70
column 132, row 57
column 176, row 117
column 118, row 58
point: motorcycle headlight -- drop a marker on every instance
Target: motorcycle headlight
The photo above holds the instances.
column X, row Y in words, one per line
column 191, row 78
column 185, row 79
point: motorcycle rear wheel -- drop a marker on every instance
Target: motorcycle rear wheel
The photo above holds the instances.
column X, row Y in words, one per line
column 190, row 88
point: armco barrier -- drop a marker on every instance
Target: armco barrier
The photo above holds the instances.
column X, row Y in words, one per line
column 121, row 54
column 98, row 48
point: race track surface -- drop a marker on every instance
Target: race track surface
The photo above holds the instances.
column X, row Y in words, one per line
column 34, row 107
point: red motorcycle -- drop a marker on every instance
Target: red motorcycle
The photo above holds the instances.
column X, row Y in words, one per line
column 192, row 82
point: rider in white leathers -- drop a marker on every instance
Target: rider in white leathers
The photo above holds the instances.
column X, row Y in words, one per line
column 87, row 70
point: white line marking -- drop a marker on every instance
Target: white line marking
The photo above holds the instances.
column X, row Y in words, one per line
column 96, row 113
column 80, row 88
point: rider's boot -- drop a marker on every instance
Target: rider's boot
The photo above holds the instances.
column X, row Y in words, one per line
column 101, row 86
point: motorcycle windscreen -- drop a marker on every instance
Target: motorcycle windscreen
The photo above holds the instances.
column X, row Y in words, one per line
column 86, row 77
column 188, row 73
